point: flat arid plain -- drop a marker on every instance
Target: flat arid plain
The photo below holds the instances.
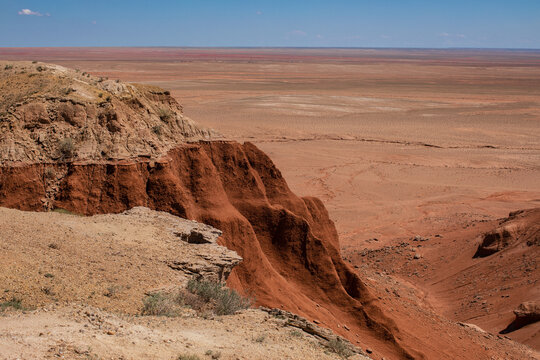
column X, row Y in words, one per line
column 415, row 153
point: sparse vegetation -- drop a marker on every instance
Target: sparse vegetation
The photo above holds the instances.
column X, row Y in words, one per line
column 49, row 275
column 68, row 91
column 112, row 291
column 167, row 92
column 226, row 301
column 260, row 338
column 213, row 354
column 41, row 68
column 8, row 67
column 66, row 147
column 205, row 297
column 159, row 304
column 34, row 62
column 14, row 303
column 339, row 347
column 108, row 98
column 157, row 129
column 296, row 333
column 164, row 114
column 188, row 357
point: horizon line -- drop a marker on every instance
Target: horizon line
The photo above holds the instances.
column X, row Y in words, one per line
column 273, row 47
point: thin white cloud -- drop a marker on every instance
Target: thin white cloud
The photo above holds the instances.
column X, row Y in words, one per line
column 298, row 33
column 30, row 12
column 259, row 13
column 94, row 22
column 455, row 36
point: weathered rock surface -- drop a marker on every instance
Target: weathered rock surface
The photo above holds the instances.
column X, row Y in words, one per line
column 520, row 228
column 48, row 112
column 529, row 311
column 325, row 336
column 526, row 313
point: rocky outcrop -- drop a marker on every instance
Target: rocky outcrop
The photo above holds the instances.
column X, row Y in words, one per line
column 325, row 336
column 203, row 258
column 109, row 260
column 518, row 229
column 526, row 313
column 48, row 112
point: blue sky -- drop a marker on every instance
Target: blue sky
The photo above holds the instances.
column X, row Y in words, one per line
column 315, row 23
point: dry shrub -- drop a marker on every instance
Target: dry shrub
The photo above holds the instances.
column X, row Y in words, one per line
column 339, row 347
column 188, row 357
column 226, row 301
column 205, row 297
column 66, row 147
column 164, row 114
column 159, row 304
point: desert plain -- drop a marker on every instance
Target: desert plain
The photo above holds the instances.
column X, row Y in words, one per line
column 433, row 144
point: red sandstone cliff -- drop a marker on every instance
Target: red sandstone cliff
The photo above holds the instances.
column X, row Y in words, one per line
column 289, row 244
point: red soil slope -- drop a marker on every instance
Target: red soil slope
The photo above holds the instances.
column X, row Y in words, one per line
column 479, row 273
column 494, row 272
column 289, row 244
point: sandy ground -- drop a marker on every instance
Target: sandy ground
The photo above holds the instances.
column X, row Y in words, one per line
column 82, row 281
column 82, row 332
column 109, row 261
column 396, row 143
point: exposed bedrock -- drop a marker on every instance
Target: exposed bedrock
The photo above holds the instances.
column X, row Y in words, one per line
column 520, row 229
column 289, row 245
column 526, row 313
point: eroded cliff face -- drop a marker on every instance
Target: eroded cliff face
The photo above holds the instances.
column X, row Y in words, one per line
column 48, row 112
column 289, row 245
